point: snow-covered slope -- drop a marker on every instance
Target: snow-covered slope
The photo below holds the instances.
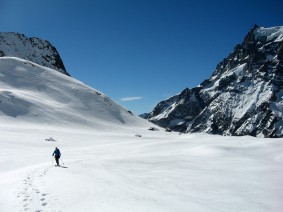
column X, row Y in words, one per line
column 39, row 51
column 244, row 95
column 38, row 95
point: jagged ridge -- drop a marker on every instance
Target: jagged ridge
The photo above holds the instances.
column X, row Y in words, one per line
column 244, row 95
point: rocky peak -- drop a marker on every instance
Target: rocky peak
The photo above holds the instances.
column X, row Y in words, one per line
column 250, row 37
column 33, row 49
column 244, row 95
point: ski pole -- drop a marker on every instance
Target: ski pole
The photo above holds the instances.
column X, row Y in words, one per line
column 52, row 160
column 62, row 161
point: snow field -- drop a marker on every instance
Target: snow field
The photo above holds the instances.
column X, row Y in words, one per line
column 120, row 172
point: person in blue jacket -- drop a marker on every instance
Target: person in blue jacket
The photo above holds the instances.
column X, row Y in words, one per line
column 57, row 155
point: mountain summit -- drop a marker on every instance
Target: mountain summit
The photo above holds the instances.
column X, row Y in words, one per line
column 244, row 95
column 36, row 50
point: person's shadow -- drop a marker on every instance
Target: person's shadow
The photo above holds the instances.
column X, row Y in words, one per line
column 61, row 166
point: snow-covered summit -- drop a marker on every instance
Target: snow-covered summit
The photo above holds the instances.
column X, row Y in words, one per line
column 39, row 51
column 244, row 95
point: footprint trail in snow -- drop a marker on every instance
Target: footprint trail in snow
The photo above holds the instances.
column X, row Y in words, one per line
column 32, row 196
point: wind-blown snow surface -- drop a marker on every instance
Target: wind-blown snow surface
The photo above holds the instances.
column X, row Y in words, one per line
column 117, row 171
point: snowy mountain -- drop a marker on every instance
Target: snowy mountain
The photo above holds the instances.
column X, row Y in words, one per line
column 104, row 167
column 34, row 94
column 244, row 95
column 33, row 49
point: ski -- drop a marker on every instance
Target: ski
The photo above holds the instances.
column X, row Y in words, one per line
column 61, row 166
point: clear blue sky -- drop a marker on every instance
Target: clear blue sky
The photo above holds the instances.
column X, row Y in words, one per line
column 149, row 49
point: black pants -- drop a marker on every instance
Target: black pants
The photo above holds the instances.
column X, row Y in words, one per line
column 57, row 160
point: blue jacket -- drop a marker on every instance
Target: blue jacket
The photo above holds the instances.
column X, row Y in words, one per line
column 57, row 153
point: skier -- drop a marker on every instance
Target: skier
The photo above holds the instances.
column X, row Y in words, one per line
column 57, row 155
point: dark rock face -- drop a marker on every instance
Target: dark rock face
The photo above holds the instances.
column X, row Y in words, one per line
column 33, row 49
column 144, row 115
column 244, row 95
